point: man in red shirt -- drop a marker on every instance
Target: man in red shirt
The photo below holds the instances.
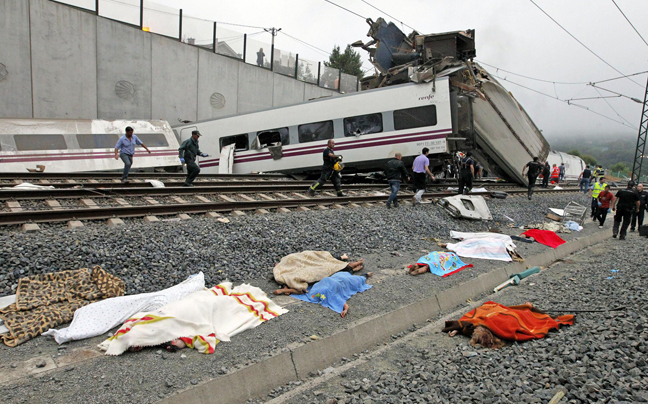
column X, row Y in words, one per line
column 605, row 198
column 555, row 173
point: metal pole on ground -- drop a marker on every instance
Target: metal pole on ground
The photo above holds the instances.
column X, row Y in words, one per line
column 641, row 140
column 180, row 27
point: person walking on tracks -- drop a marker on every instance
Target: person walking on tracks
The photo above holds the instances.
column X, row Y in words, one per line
column 328, row 170
column 420, row 168
column 638, row 217
column 545, row 175
column 561, row 172
column 584, row 179
column 394, row 172
column 466, row 174
column 189, row 150
column 626, row 202
column 605, row 198
column 125, row 149
column 534, row 167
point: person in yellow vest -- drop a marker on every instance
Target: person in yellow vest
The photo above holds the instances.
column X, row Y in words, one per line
column 595, row 190
column 598, row 172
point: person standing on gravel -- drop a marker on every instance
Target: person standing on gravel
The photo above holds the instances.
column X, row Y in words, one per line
column 394, row 172
column 545, row 175
column 466, row 174
column 638, row 217
column 534, row 168
column 561, row 172
column 584, row 179
column 125, row 149
column 420, row 168
column 189, row 150
column 328, row 171
column 596, row 188
column 604, row 200
column 626, row 202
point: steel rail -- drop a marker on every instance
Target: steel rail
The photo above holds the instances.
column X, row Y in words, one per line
column 41, row 216
column 147, row 175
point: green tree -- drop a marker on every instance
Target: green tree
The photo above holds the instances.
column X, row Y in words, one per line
column 348, row 62
column 589, row 159
column 618, row 167
column 574, row 152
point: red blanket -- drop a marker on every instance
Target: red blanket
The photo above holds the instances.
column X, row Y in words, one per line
column 514, row 323
column 546, row 237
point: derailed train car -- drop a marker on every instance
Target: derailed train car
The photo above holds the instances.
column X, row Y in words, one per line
column 75, row 145
column 427, row 94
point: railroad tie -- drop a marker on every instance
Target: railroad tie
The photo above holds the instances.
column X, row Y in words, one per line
column 238, row 213
column 122, row 202
column 179, row 200
column 17, row 182
column 184, row 216
column 202, row 198
column 92, row 181
column 151, row 201
column 44, row 182
column 262, row 211
column 302, row 209
column 283, row 196
column 54, row 204
column 74, row 224
column 266, row 197
column 321, row 207
column 13, row 206
column 89, row 203
column 302, row 196
column 337, row 206
column 283, row 210
column 328, row 193
column 227, row 199
column 151, row 219
column 245, row 197
column 353, row 205
column 213, row 215
column 30, row 227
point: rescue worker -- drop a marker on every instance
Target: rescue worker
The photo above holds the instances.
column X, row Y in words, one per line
column 561, row 172
column 626, row 202
column 584, row 179
column 555, row 174
column 545, row 175
column 125, row 149
column 328, row 172
column 534, row 168
column 420, row 168
column 596, row 190
column 466, row 173
column 394, row 172
column 638, row 217
column 188, row 152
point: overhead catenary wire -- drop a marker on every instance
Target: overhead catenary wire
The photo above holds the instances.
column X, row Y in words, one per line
column 390, row 16
column 346, row 9
column 580, row 42
column 632, row 25
column 610, row 105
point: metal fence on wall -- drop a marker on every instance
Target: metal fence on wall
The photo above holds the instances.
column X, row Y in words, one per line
column 254, row 48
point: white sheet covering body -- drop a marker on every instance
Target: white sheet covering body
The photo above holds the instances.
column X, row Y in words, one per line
column 98, row 318
column 201, row 320
column 491, row 246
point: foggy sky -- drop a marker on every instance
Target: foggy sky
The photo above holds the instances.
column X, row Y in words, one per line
column 511, row 34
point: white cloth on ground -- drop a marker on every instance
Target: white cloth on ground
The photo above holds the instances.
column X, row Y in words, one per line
column 98, row 318
column 30, row 186
column 4, row 302
column 490, row 246
column 155, row 183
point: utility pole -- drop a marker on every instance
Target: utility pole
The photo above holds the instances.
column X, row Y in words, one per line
column 641, row 140
column 273, row 31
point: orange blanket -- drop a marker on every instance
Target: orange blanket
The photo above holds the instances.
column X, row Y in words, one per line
column 514, row 323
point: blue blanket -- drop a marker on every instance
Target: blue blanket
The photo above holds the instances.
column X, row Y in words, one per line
column 335, row 290
column 443, row 263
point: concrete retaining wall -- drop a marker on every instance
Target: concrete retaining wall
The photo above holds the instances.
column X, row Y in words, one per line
column 57, row 61
column 317, row 355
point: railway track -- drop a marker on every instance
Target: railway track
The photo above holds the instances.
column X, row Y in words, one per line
column 235, row 199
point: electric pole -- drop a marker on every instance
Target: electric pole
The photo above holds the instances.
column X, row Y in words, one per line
column 273, row 31
column 641, row 140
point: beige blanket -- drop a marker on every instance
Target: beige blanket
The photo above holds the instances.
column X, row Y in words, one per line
column 299, row 269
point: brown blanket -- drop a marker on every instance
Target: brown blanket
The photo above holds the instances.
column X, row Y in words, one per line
column 299, row 269
column 49, row 300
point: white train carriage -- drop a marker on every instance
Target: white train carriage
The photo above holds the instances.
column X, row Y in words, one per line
column 368, row 127
column 574, row 165
column 63, row 145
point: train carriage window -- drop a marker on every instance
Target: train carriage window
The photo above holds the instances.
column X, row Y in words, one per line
column 312, row 132
column 240, row 142
column 40, row 142
column 363, row 124
column 153, row 139
column 415, row 117
column 98, row 141
column 272, row 137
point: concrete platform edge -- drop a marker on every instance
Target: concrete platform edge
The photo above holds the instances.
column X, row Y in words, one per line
column 258, row 379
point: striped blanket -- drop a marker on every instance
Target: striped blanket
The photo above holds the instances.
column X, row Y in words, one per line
column 201, row 320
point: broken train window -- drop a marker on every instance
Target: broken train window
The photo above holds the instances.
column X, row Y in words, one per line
column 416, row 117
column 240, row 142
column 273, row 137
column 312, row 132
column 363, row 124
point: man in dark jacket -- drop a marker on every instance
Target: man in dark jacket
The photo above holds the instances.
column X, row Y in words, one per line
column 394, row 171
column 534, row 168
column 639, row 216
column 188, row 151
column 626, row 202
column 545, row 175
column 466, row 173
column 329, row 158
